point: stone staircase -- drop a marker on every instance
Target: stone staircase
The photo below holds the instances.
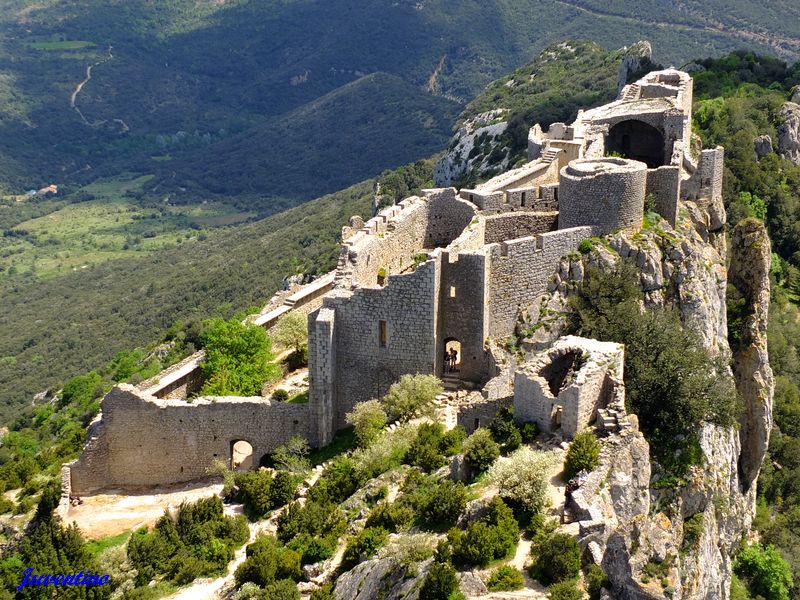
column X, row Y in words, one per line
column 451, row 381
column 633, row 92
column 613, row 419
column 550, row 155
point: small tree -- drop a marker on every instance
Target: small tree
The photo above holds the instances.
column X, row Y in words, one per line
column 293, row 455
column 368, row 419
column 523, row 478
column 583, row 454
column 505, row 578
column 480, row 450
column 292, row 331
column 411, row 395
column 444, row 503
column 238, row 358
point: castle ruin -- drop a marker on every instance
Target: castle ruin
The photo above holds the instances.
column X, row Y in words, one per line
column 446, row 271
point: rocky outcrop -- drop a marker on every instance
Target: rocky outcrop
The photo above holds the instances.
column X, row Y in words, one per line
column 789, row 132
column 749, row 276
column 763, row 146
column 470, row 148
column 628, row 525
column 635, row 58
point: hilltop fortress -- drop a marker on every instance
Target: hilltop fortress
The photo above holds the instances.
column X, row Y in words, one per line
column 446, row 271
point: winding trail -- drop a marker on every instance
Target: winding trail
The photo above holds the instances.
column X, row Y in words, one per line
column 73, row 99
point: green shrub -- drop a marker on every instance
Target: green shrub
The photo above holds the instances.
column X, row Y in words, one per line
column 528, row 430
column 765, row 572
column 293, row 455
column 6, row 505
column 558, row 559
column 283, row 589
column 443, row 504
column 312, row 529
column 692, row 531
column 505, row 431
column 490, row 537
column 267, row 560
column 426, row 451
column 338, row 482
column 283, row 488
column 292, row 331
column 596, row 579
column 440, row 582
column 480, row 451
column 505, row 578
column 238, row 358
column 411, row 395
column 368, row 420
column 565, row 590
column 524, row 479
column 324, row 592
column 254, row 489
column 280, row 395
column 583, row 454
column 392, row 517
column 364, row 546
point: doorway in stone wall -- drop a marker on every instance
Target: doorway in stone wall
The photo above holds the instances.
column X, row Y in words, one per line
column 451, row 361
column 241, row 455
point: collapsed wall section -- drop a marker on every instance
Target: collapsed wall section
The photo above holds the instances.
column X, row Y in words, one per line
column 145, row 441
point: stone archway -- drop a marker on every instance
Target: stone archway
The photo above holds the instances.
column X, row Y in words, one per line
column 241, row 455
column 452, row 357
column 638, row 141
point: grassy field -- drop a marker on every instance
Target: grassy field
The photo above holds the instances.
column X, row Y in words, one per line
column 108, row 227
column 61, row 45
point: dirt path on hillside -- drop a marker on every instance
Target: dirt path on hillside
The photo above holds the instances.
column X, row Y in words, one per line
column 73, row 98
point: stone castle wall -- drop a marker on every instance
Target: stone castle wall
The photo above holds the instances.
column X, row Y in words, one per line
column 664, row 183
column 521, row 269
column 364, row 367
column 146, row 441
column 464, row 283
column 509, row 226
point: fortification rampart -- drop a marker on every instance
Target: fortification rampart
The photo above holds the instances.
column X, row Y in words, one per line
column 143, row 441
column 607, row 194
column 521, row 269
column 509, row 226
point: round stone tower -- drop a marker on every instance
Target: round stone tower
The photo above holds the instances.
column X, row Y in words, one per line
column 605, row 193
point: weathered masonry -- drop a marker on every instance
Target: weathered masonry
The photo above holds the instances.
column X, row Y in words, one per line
column 445, row 272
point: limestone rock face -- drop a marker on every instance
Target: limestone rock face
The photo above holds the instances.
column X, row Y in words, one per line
column 763, row 146
column 749, row 275
column 483, row 130
column 634, row 59
column 789, row 132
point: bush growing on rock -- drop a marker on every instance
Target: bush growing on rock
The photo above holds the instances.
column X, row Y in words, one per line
column 393, row 516
column 411, row 395
column 523, row 478
column 565, row 590
column 432, row 445
column 440, row 583
column 583, row 454
column 280, row 395
column 312, row 529
column 443, row 504
column 385, row 454
column 480, row 451
column 558, row 558
column 765, row 572
column 596, row 579
column 368, row 420
column 490, row 537
column 364, row 546
column 267, row 561
column 505, row 578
